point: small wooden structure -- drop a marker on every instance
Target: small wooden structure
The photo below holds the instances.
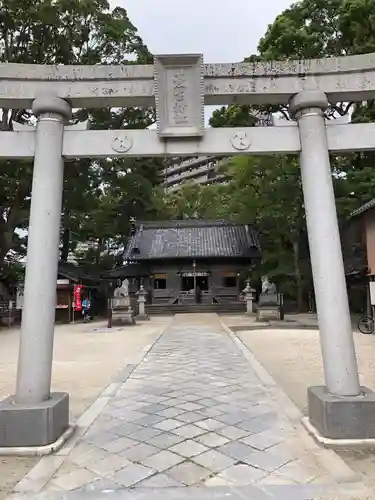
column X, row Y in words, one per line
column 68, row 277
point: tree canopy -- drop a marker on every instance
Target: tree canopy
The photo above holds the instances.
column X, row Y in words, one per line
column 99, row 196
column 268, row 190
column 320, row 28
column 195, row 201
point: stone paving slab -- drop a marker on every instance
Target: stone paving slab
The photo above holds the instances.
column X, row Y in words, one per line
column 295, row 492
column 193, row 413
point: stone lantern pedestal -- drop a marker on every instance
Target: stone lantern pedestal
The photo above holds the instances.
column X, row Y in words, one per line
column 249, row 295
column 142, row 294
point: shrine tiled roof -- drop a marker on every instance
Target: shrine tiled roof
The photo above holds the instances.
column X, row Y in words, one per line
column 75, row 273
column 192, row 239
column 126, row 271
column 364, row 208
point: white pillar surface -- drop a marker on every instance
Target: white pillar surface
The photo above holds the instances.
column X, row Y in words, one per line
column 141, row 301
column 142, row 306
column 38, row 315
column 249, row 303
column 336, row 334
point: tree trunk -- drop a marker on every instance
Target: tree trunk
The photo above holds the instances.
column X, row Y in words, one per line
column 65, row 245
column 99, row 250
column 3, row 253
column 6, row 240
column 298, row 276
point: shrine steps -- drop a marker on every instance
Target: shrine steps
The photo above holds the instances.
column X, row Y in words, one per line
column 171, row 309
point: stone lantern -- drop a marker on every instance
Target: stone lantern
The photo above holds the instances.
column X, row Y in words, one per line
column 142, row 294
column 249, row 294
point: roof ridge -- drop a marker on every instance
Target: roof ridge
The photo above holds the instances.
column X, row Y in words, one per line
column 363, row 208
column 175, row 223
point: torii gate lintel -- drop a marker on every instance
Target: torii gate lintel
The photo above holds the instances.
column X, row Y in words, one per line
column 81, row 143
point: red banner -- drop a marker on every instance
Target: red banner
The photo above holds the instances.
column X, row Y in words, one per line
column 77, row 298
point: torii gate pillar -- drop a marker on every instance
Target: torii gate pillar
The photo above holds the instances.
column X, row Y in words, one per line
column 342, row 409
column 35, row 416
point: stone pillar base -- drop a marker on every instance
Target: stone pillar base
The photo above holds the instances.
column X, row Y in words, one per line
column 123, row 321
column 143, row 317
column 40, row 424
column 271, row 314
column 334, row 417
column 122, row 316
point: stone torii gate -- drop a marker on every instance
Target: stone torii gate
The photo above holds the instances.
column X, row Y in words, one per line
column 179, row 86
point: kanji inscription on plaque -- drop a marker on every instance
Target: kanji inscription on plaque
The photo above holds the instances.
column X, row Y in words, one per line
column 179, row 95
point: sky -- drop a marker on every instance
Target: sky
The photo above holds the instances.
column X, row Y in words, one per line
column 224, row 31
column 221, row 30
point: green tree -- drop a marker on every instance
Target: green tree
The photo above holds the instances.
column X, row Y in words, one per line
column 126, row 190
column 193, row 200
column 233, row 116
column 65, row 32
column 307, row 29
column 267, row 192
column 320, row 28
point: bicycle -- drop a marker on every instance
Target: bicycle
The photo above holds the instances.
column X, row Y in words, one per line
column 366, row 325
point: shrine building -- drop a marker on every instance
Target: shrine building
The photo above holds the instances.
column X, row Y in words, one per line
column 175, row 258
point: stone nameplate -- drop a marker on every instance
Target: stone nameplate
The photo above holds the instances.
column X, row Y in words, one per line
column 179, row 95
column 269, row 299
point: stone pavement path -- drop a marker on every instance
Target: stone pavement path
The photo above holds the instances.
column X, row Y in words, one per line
column 193, row 420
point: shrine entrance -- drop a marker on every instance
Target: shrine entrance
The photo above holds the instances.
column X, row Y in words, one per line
column 191, row 282
column 179, row 86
